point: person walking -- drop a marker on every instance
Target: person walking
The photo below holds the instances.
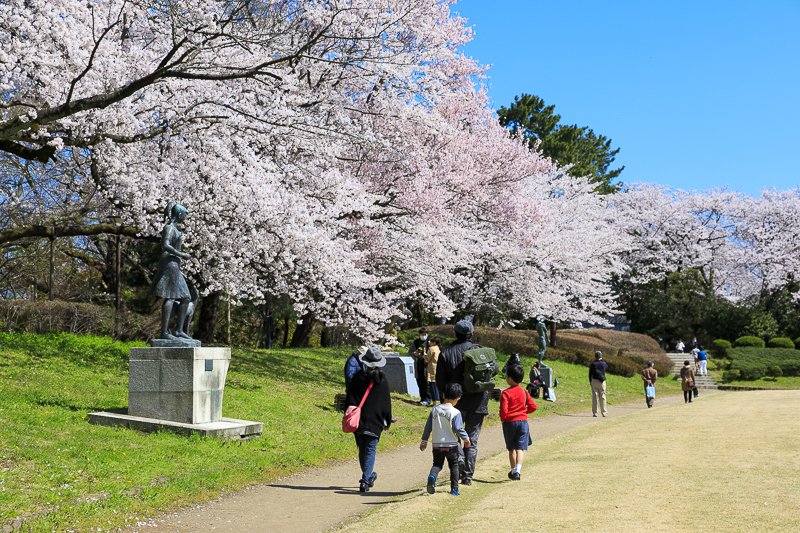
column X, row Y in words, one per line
column 376, row 412
column 474, row 406
column 445, row 429
column 687, row 381
column 597, row 380
column 702, row 361
column 649, row 377
column 515, row 406
column 419, row 349
column 431, row 360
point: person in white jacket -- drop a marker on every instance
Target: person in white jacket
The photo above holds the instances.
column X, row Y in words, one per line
column 445, row 427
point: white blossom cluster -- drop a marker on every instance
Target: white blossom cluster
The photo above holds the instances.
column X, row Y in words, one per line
column 336, row 151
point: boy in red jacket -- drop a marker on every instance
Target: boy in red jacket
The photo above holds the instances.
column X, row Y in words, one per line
column 515, row 404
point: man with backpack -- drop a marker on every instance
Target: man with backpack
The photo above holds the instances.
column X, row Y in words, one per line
column 472, row 367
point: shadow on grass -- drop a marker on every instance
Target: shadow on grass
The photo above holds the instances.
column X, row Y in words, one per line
column 290, row 366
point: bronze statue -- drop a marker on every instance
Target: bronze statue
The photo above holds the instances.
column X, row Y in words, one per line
column 541, row 329
column 169, row 282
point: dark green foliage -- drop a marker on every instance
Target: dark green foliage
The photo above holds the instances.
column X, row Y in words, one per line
column 774, row 371
column 749, row 340
column 588, row 153
column 780, row 342
column 797, row 343
column 762, row 324
column 731, row 375
column 720, row 346
column 756, row 363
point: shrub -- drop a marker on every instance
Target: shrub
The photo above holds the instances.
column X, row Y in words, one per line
column 721, row 346
column 44, row 316
column 731, row 375
column 780, row 342
column 797, row 343
column 774, row 371
column 749, row 340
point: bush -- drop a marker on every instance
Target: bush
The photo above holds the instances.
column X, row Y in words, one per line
column 797, row 343
column 721, row 346
column 780, row 342
column 749, row 340
column 731, row 375
column 44, row 316
column 755, row 363
column 625, row 353
column 774, row 371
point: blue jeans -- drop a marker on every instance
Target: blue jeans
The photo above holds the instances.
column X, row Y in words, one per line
column 367, row 451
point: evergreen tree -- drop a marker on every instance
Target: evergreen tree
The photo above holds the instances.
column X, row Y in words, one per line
column 588, row 153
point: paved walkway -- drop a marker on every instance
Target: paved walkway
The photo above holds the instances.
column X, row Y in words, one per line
column 322, row 499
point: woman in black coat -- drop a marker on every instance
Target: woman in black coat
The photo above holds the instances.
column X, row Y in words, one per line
column 376, row 413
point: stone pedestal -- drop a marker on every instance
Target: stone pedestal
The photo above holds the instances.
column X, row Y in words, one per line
column 178, row 384
column 180, row 390
column 400, row 374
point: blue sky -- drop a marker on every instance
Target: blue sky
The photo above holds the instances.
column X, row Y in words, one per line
column 697, row 94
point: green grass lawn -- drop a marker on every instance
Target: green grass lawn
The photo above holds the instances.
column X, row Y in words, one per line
column 57, row 471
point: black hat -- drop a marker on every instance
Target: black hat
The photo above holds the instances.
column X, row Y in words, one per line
column 372, row 357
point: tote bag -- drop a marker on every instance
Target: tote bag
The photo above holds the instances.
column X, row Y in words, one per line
column 352, row 416
column 650, row 391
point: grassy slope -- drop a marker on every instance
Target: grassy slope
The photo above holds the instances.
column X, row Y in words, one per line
column 57, row 471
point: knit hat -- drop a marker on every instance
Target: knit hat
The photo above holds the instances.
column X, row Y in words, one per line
column 372, row 357
column 463, row 327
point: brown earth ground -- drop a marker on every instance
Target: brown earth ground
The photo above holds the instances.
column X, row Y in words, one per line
column 728, row 462
column 324, row 499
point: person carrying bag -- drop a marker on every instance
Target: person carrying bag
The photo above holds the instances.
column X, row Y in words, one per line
column 368, row 411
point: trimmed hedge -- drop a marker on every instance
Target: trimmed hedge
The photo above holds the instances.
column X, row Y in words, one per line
column 749, row 341
column 573, row 347
column 756, row 363
column 721, row 346
column 781, row 342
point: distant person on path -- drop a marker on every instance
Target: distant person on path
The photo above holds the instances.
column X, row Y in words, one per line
column 352, row 367
column 376, row 413
column 419, row 348
column 597, row 380
column 445, row 427
column 515, row 405
column 687, row 381
column 535, row 378
column 474, row 405
column 649, row 377
column 680, row 346
column 695, row 353
column 702, row 361
column 431, row 360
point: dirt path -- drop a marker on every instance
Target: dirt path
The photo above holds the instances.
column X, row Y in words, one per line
column 323, row 499
column 728, row 462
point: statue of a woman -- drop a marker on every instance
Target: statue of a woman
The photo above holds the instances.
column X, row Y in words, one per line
column 541, row 329
column 169, row 282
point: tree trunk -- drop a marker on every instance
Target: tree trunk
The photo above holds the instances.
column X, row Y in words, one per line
column 303, row 332
column 285, row 339
column 50, row 295
column 209, row 315
column 117, row 285
column 553, row 334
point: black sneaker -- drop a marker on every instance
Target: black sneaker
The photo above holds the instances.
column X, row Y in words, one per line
column 515, row 476
column 363, row 487
column 466, row 481
column 372, row 479
column 510, row 474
